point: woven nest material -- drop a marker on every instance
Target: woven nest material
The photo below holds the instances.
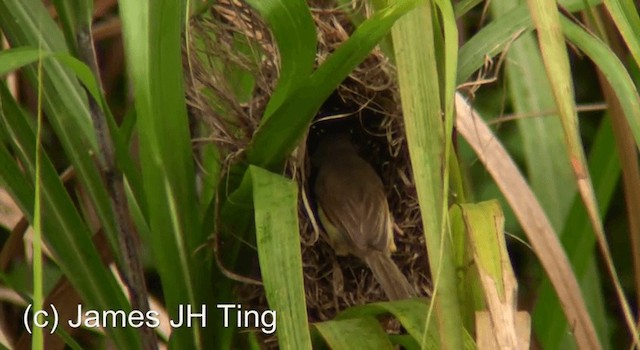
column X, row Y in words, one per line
column 367, row 102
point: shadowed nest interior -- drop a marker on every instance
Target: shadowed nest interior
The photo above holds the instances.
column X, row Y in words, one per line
column 227, row 42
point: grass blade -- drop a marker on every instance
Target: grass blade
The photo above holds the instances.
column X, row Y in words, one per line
column 625, row 16
column 613, row 70
column 295, row 34
column 422, row 108
column 578, row 240
column 278, row 136
column 544, row 151
column 152, row 40
column 65, row 231
column 357, row 333
column 275, row 201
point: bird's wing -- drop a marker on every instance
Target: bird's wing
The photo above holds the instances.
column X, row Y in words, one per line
column 362, row 213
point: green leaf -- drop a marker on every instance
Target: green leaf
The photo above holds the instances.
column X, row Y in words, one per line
column 578, row 240
column 64, row 100
column 23, row 22
column 122, row 152
column 64, row 230
column 496, row 36
column 410, row 312
column 276, row 215
column 613, row 70
column 423, row 106
column 357, row 333
column 280, row 133
column 625, row 15
column 464, row 6
column 75, row 17
column 151, row 30
column 295, row 34
column 13, row 59
column 547, row 163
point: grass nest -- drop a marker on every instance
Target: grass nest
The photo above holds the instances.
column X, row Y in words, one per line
column 229, row 37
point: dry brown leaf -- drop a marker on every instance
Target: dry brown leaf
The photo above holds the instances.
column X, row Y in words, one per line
column 9, row 212
column 531, row 217
column 485, row 331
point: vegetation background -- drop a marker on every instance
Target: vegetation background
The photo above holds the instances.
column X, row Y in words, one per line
column 85, row 82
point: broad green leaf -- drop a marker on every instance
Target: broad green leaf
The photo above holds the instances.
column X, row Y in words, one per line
column 469, row 288
column 152, row 39
column 295, row 34
column 356, row 333
column 275, row 202
column 411, row 313
column 423, row 105
column 484, row 225
column 13, row 59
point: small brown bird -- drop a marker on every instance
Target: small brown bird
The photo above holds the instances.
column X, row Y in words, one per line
column 354, row 211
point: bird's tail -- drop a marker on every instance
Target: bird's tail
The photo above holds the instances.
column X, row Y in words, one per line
column 387, row 273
